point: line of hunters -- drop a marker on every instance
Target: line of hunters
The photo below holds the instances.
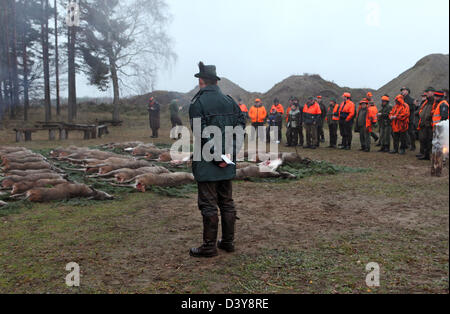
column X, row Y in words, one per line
column 406, row 121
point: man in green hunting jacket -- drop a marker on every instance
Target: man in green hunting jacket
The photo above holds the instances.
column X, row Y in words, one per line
column 211, row 108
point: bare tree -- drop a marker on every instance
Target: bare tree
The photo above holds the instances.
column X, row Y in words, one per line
column 45, row 59
column 124, row 40
column 58, row 102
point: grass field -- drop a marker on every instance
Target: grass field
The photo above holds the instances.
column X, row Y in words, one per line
column 314, row 235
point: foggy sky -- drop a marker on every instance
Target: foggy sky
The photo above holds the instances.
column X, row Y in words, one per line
column 257, row 43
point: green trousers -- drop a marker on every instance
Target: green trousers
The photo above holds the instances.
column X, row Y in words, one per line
column 364, row 137
column 385, row 135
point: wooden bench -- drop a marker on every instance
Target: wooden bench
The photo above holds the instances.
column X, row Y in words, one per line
column 111, row 122
column 24, row 134
column 90, row 131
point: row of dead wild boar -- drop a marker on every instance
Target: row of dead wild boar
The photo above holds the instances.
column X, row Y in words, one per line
column 31, row 176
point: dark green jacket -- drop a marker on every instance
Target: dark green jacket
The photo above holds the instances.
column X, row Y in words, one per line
column 174, row 109
column 214, row 109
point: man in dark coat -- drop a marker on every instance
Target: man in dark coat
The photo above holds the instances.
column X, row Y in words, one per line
column 321, row 122
column 211, row 108
column 154, row 110
column 411, row 138
column 174, row 109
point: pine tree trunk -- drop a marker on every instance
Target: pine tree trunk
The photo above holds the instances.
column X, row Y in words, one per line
column 58, row 101
column 115, row 81
column 45, row 56
column 7, row 82
column 14, row 69
column 26, row 100
column 72, row 101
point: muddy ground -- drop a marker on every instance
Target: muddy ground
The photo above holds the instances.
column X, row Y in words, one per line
column 315, row 235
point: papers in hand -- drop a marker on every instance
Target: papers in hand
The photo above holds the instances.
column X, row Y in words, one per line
column 227, row 159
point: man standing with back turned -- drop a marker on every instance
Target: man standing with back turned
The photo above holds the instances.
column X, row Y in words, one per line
column 211, row 107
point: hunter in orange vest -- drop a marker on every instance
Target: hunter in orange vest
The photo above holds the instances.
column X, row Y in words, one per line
column 332, row 120
column 243, row 108
column 400, row 124
column 366, row 118
column 311, row 116
column 258, row 116
column 440, row 110
column 346, row 115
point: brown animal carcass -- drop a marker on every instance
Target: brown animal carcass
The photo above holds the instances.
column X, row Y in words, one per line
column 64, row 192
column 8, row 160
column 130, row 174
column 145, row 181
column 133, row 164
column 24, row 173
column 64, row 152
column 88, row 154
column 261, row 173
column 21, row 187
column 8, row 150
column 27, row 166
column 9, row 181
column 142, row 150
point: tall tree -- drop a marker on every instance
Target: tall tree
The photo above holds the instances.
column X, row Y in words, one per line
column 122, row 40
column 45, row 59
column 71, row 52
column 14, row 68
column 58, row 101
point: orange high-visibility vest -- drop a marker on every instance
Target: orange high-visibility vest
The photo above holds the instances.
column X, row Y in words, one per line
column 401, row 123
column 437, row 113
column 280, row 109
column 243, row 108
column 347, row 110
column 372, row 117
column 336, row 112
column 258, row 115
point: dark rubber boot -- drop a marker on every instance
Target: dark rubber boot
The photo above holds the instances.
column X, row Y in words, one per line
column 402, row 152
column 228, row 228
column 209, row 248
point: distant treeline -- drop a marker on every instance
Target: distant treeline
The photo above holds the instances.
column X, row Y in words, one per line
column 44, row 44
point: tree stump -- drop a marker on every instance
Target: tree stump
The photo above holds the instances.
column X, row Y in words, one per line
column 28, row 135
column 437, row 163
column 51, row 135
column 19, row 136
column 63, row 134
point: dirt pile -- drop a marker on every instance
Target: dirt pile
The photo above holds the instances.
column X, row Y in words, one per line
column 429, row 71
column 232, row 89
column 305, row 86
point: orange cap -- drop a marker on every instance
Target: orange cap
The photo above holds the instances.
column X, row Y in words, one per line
column 257, row 100
column 364, row 101
column 385, row 98
column 369, row 94
column 348, row 95
column 400, row 99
